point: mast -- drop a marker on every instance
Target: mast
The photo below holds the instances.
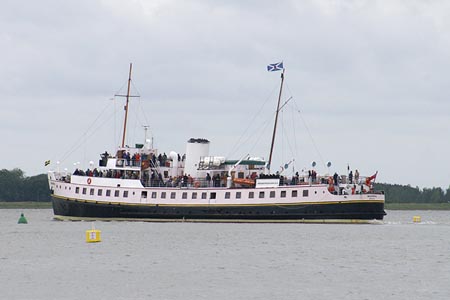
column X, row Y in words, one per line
column 126, row 107
column 276, row 121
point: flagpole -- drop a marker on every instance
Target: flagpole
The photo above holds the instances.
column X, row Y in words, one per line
column 276, row 121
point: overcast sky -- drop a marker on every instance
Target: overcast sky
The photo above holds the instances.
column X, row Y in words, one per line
column 370, row 79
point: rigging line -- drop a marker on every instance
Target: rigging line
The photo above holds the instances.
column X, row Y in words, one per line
column 260, row 136
column 140, row 118
column 80, row 139
column 236, row 145
column 296, row 154
column 285, row 133
column 293, row 122
column 146, row 122
column 86, row 137
column 120, row 90
column 135, row 88
column 285, row 137
column 310, row 136
column 285, row 102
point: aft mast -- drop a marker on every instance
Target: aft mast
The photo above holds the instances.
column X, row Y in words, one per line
column 271, row 68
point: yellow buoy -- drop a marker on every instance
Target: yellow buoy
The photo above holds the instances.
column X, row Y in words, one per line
column 416, row 219
column 93, row 236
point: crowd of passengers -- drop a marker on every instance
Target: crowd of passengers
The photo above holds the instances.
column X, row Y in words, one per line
column 217, row 180
column 125, row 159
column 108, row 173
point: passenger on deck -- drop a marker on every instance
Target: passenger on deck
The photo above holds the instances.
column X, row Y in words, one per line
column 356, row 176
column 314, row 176
column 336, row 181
column 128, row 159
column 208, row 180
column 350, row 177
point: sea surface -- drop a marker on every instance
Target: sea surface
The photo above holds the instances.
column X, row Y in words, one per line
column 398, row 259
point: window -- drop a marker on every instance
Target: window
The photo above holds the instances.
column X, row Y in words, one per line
column 163, row 195
column 172, row 195
column 294, row 194
column 272, row 194
column 91, row 192
column 283, row 194
column 184, row 195
column 116, row 193
column 238, row 195
column 144, row 194
column 212, row 196
column 125, row 194
column 227, row 195
column 77, row 190
column 108, row 193
column 261, row 194
column 240, row 174
column 251, row 195
column 153, row 195
column 305, row 193
column 99, row 192
column 194, row 195
column 166, row 174
column 204, row 195
column 84, row 191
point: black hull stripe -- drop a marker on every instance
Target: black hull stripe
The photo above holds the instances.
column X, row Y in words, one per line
column 362, row 210
column 220, row 205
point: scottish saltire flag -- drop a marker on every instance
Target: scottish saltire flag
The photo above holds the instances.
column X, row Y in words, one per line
column 47, row 162
column 275, row 67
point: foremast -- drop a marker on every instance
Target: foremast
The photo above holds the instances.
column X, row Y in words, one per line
column 126, row 107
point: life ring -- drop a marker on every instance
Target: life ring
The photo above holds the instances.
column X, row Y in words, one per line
column 89, row 180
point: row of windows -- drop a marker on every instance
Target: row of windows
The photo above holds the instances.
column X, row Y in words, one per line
column 194, row 195
column 100, row 192
column 238, row 195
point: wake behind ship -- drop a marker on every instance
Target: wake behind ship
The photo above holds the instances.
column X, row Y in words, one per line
column 141, row 183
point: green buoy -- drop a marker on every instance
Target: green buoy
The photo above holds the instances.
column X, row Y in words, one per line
column 22, row 219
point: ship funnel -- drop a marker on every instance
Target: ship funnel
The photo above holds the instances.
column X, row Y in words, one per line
column 195, row 149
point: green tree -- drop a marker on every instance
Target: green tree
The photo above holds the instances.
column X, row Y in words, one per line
column 14, row 186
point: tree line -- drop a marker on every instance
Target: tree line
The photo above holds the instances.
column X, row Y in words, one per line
column 396, row 193
column 15, row 186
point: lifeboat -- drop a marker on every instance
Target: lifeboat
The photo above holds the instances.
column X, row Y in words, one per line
column 244, row 181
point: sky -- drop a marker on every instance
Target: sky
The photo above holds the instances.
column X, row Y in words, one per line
column 366, row 82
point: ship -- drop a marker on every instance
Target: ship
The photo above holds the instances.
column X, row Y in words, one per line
column 142, row 184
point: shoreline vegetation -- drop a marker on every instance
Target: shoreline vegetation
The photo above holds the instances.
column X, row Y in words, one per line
column 388, row 206
column 25, row 205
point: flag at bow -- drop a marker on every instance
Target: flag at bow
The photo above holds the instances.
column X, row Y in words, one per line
column 275, row 67
column 47, row 162
column 373, row 177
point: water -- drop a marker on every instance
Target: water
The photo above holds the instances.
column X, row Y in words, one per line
column 399, row 259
